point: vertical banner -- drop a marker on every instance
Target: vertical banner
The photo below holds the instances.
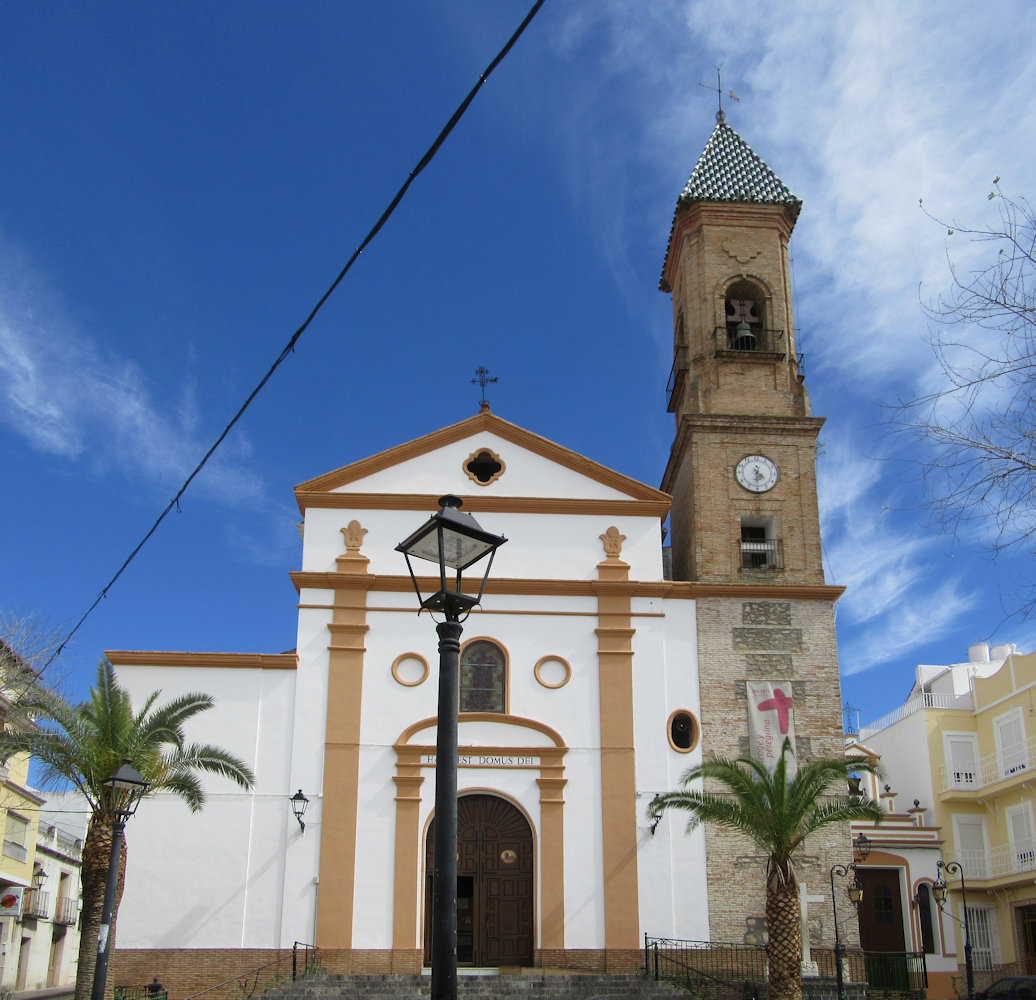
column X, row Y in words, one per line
column 771, row 720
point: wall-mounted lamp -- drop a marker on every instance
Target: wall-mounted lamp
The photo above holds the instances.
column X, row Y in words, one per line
column 656, row 816
column 298, row 807
column 861, row 847
column 39, row 877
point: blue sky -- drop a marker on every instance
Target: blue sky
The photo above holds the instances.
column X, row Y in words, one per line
column 181, row 182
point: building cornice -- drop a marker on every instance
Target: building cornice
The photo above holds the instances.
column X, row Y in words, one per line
column 655, row 507
column 261, row 661
column 672, row 589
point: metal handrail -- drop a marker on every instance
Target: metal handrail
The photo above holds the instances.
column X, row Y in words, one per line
column 309, row 961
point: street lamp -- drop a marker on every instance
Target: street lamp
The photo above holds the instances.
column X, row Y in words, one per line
column 855, row 892
column 939, row 891
column 452, row 539
column 39, row 877
column 298, row 807
column 124, row 790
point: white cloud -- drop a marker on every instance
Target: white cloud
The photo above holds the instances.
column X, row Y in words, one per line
column 68, row 398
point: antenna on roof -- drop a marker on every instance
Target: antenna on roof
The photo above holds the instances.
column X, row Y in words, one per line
column 720, row 117
column 482, row 379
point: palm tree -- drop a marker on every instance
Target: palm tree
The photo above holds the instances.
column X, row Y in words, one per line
column 777, row 813
column 83, row 744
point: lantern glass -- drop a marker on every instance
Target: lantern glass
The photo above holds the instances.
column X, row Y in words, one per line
column 939, row 892
column 126, row 788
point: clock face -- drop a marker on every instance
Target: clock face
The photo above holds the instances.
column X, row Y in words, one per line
column 757, row 473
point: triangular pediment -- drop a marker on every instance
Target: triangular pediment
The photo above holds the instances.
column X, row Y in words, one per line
column 437, row 463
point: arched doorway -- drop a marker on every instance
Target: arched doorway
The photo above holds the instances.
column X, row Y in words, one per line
column 494, row 883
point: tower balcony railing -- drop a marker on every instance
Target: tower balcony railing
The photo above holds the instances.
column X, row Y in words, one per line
column 1015, row 761
column 749, row 341
column 676, row 376
column 762, row 553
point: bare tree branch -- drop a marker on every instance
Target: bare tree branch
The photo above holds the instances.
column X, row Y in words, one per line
column 977, row 429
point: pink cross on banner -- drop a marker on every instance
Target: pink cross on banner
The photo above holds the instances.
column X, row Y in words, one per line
column 771, row 719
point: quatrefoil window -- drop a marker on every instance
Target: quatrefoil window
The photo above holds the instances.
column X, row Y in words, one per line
column 484, row 467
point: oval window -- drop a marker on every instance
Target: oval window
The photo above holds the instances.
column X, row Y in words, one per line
column 683, row 731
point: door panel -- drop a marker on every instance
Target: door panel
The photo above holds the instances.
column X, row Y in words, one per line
column 494, row 883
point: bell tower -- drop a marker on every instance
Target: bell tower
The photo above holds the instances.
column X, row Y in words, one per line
column 745, row 526
column 741, row 469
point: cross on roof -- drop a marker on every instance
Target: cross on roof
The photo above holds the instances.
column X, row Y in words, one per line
column 483, row 379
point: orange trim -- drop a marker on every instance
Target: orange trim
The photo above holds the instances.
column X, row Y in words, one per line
column 481, row 423
column 492, row 454
column 618, row 766
column 410, row 656
column 261, row 661
column 347, row 631
column 484, row 504
column 510, row 720
column 551, row 658
column 674, row 589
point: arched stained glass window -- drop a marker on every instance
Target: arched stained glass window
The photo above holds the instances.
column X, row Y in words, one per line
column 483, row 677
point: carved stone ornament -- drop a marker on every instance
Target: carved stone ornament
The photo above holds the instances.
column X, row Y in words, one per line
column 741, row 249
column 354, row 533
column 612, row 542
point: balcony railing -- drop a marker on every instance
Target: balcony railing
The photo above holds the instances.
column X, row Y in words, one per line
column 15, row 850
column 1016, row 761
column 761, row 553
column 1004, row 859
column 676, row 376
column 916, row 704
column 66, row 911
column 35, row 903
column 751, row 341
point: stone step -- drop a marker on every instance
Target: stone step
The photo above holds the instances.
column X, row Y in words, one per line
column 526, row 986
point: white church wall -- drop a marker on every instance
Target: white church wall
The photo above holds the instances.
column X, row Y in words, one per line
column 441, row 471
column 672, row 882
column 538, row 546
column 219, row 881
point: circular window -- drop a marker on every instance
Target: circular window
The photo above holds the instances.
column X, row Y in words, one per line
column 552, row 671
column 410, row 669
column 683, row 731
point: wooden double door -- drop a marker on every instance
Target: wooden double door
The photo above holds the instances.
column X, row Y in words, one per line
column 494, row 883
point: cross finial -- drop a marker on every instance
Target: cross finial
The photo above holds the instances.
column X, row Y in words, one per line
column 483, row 379
column 720, row 117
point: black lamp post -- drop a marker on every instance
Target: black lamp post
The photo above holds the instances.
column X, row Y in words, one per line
column 124, row 788
column 298, row 807
column 453, row 540
column 939, row 891
column 855, row 891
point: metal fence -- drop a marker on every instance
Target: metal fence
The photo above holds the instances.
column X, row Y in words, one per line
column 720, row 971
column 738, row 971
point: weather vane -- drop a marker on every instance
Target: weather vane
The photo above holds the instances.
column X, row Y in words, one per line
column 720, row 117
column 482, row 379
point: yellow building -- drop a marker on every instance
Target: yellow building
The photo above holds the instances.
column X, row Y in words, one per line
column 19, row 812
column 965, row 743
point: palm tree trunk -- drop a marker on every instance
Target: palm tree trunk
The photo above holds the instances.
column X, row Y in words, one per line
column 96, row 855
column 784, row 979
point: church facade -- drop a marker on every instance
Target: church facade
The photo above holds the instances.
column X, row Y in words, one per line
column 598, row 668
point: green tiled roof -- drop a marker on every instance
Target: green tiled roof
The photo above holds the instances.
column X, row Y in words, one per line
column 728, row 170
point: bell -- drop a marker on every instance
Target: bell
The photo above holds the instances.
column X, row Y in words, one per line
column 744, row 339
